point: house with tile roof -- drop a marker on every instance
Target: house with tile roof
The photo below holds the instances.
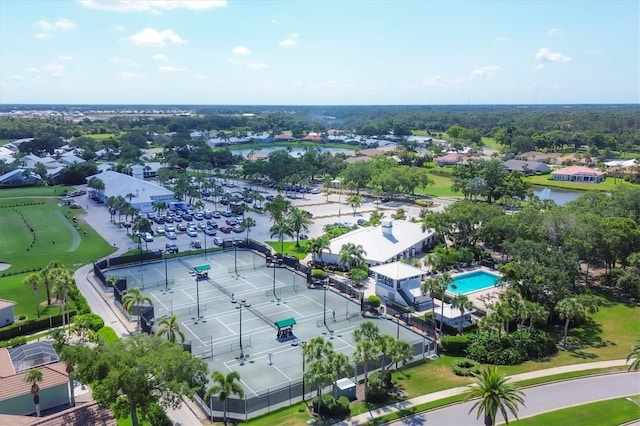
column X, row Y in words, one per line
column 578, row 174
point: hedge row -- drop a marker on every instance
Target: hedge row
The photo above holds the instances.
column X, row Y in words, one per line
column 35, row 203
column 32, row 326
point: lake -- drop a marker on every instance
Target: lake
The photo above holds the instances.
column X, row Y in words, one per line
column 559, row 196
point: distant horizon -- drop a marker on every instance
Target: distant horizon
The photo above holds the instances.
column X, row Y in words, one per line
column 321, row 105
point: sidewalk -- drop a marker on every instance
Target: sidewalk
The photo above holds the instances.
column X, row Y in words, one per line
column 364, row 418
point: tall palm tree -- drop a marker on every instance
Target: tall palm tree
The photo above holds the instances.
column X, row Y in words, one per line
column 385, row 344
column 34, row 376
column 281, row 229
column 351, row 255
column 171, row 328
column 317, row 349
column 463, row 303
column 366, row 331
column 33, row 280
column 62, row 289
column 338, row 366
column 299, row 221
column 224, row 387
column 573, row 309
column 402, row 351
column 317, row 246
column 134, row 297
column 444, row 281
column 48, row 273
column 246, row 225
column 366, row 352
column 634, row 357
column 494, row 394
column 431, row 287
column 533, row 312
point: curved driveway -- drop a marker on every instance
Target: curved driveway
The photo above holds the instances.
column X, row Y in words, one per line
column 540, row 399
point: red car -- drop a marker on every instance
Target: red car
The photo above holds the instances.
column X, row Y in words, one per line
column 225, row 229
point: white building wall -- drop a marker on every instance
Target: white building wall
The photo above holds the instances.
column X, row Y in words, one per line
column 7, row 315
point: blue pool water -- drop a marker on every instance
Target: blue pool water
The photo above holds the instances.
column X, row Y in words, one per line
column 472, row 281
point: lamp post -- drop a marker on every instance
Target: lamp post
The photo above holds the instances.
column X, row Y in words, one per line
column 276, row 262
column 239, row 306
column 166, row 277
column 324, row 304
column 197, row 318
column 235, row 257
column 205, row 244
column 397, row 332
column 303, row 344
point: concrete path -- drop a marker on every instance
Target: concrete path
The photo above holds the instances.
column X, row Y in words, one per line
column 365, row 417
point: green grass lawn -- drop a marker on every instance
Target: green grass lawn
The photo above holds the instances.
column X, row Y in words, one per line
column 602, row 413
column 289, row 248
column 608, row 184
column 35, row 191
column 13, row 288
column 440, row 188
column 491, row 143
column 52, row 237
column 101, row 136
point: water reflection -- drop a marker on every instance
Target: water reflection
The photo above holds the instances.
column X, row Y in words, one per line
column 558, row 196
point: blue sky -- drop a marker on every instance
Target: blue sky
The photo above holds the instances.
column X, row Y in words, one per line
column 319, row 52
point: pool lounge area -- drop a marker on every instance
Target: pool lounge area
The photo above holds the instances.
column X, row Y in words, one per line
column 472, row 282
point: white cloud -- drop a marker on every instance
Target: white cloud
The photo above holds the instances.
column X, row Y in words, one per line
column 53, row 67
column 116, row 28
column 594, row 51
column 198, row 77
column 16, row 77
column 291, row 41
column 50, row 27
column 33, row 70
column 544, row 55
column 500, row 39
column 130, row 76
column 170, row 69
column 152, row 37
column 155, row 6
column 486, row 72
column 116, row 60
column 256, row 65
column 434, row 81
column 159, row 57
column 42, row 36
column 241, row 50
column 65, row 58
column 554, row 32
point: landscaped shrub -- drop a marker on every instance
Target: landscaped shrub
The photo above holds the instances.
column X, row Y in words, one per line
column 330, row 407
column 16, row 341
column 91, row 321
column 107, row 335
column 454, row 345
column 465, row 367
column 377, row 389
column 318, row 274
column 157, row 416
column 510, row 349
column 374, row 301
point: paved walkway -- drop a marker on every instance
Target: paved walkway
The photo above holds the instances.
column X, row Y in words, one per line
column 422, row 399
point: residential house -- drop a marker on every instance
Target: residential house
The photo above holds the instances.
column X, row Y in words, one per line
column 452, row 159
column 527, row 167
column 578, row 174
column 20, row 177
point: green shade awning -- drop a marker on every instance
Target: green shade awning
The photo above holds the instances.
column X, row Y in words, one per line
column 285, row 323
column 202, row 268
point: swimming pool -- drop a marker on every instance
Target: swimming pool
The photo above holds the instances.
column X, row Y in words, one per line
column 472, row 281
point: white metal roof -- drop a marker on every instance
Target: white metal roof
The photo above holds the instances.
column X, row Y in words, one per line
column 397, row 270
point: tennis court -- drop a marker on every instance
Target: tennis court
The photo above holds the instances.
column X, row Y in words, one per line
column 226, row 299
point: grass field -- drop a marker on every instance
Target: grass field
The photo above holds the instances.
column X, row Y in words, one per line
column 608, row 185
column 603, row 413
column 13, row 288
column 290, row 248
column 440, row 188
column 37, row 230
column 101, row 136
column 35, row 191
column 491, row 143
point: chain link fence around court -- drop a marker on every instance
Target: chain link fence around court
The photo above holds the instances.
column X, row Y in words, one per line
column 210, row 349
column 273, row 398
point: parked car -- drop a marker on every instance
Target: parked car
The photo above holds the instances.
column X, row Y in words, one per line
column 270, row 198
column 198, row 216
column 236, row 228
column 231, row 222
column 225, row 229
column 187, row 217
column 207, row 215
column 361, row 222
column 148, row 237
column 218, row 241
column 170, row 228
column 171, row 235
column 171, row 248
column 227, row 213
column 192, row 232
column 210, row 231
column 212, row 223
column 182, row 227
column 196, row 244
column 177, row 219
column 160, row 230
column 126, row 225
column 216, row 215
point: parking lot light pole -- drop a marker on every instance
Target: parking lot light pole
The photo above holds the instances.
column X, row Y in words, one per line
column 303, row 344
column 397, row 332
column 324, row 305
column 166, row 276
column 235, row 257
column 239, row 306
column 276, row 262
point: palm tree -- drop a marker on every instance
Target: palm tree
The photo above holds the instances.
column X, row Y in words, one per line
column 386, row 344
column 574, row 309
column 317, row 246
column 48, row 273
column 444, row 281
column 355, row 201
column 299, row 221
column 505, row 314
column 432, row 286
column 134, row 297
column 533, row 312
column 463, row 303
column 277, row 208
column 366, row 331
column 33, row 280
column 224, row 387
column 402, row 352
column 634, row 357
column 317, row 353
column 317, row 349
column 338, row 366
column 246, row 225
column 171, row 328
column 281, row 229
column 34, row 376
column 494, row 394
column 366, row 352
column 351, row 255
column 62, row 290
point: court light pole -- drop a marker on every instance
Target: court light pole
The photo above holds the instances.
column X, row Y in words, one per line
column 197, row 318
column 166, row 277
column 235, row 257
column 303, row 344
column 239, row 306
column 276, row 262
column 397, row 332
column 324, row 304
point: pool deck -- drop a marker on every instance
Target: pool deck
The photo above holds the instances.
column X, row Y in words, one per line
column 485, row 298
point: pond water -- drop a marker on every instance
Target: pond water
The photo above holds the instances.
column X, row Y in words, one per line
column 558, row 196
column 295, row 152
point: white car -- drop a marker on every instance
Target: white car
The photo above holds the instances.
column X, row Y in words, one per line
column 192, row 232
column 148, row 237
column 171, row 235
column 160, row 230
column 170, row 228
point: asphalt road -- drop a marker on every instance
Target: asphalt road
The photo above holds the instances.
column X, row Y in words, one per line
column 540, row 399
